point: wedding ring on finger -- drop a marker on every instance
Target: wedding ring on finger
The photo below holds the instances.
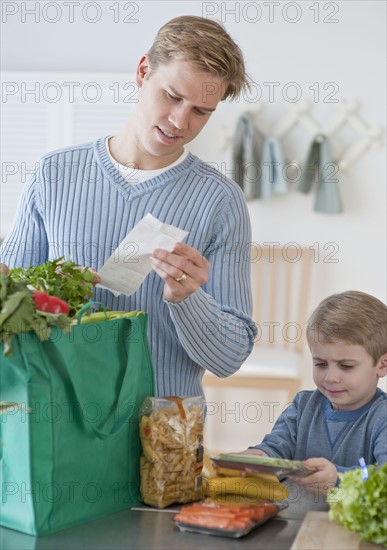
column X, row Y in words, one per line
column 182, row 278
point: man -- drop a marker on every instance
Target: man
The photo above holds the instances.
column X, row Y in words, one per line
column 83, row 201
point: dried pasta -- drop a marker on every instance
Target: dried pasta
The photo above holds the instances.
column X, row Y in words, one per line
column 171, row 431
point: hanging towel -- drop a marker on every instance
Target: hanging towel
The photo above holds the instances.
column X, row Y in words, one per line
column 272, row 169
column 245, row 156
column 320, row 168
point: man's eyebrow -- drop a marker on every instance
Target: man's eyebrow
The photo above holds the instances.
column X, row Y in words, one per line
column 176, row 93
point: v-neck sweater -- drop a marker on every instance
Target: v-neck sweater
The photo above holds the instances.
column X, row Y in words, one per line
column 78, row 205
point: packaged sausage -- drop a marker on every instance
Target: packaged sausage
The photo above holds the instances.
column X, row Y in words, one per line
column 171, row 432
column 225, row 519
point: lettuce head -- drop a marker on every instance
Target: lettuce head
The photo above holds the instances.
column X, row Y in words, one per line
column 361, row 505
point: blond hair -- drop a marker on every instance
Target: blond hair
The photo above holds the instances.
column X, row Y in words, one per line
column 206, row 44
column 353, row 317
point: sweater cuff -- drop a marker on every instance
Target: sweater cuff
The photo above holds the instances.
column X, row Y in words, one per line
column 192, row 300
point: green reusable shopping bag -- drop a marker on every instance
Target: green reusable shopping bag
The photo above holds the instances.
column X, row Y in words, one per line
column 70, row 450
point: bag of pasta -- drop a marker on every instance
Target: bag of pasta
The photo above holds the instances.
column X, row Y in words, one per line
column 171, row 431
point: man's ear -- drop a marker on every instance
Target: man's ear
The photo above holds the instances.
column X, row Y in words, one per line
column 382, row 366
column 143, row 70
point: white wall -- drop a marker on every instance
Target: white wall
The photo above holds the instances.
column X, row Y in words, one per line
column 348, row 54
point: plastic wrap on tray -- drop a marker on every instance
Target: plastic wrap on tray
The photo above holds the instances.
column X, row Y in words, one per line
column 233, row 483
column 171, row 431
column 249, row 464
column 215, row 517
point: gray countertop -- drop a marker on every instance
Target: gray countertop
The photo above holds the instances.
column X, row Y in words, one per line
column 148, row 529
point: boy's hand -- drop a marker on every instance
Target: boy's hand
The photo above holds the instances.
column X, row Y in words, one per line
column 325, row 477
column 183, row 270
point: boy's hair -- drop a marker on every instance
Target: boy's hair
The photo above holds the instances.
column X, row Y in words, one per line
column 206, row 44
column 353, row 317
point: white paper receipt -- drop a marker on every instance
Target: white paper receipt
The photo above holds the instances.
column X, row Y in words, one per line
column 129, row 264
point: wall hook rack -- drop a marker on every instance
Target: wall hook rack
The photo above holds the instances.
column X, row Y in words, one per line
column 347, row 114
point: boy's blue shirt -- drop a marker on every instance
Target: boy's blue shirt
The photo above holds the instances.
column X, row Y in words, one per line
column 310, row 428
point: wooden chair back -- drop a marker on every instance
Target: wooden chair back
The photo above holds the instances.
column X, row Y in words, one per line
column 281, row 277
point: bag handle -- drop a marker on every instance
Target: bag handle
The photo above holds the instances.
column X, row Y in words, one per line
column 87, row 306
column 11, row 407
column 122, row 404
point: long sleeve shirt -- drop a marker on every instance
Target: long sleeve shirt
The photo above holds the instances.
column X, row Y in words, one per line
column 310, row 428
column 79, row 206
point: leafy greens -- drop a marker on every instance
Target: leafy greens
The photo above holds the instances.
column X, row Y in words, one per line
column 360, row 505
column 19, row 314
column 61, row 278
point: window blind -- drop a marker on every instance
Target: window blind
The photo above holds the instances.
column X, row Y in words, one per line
column 42, row 112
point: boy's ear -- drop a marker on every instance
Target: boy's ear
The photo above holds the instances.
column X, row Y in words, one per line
column 382, row 366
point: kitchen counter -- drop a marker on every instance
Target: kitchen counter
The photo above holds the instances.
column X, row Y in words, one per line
column 317, row 533
column 147, row 530
column 304, row 525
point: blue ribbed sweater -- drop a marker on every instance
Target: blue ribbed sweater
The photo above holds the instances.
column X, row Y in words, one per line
column 77, row 205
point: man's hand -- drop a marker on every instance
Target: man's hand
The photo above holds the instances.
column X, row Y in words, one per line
column 325, row 477
column 96, row 277
column 183, row 270
column 4, row 269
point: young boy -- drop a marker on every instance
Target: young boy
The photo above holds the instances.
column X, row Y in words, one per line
column 345, row 418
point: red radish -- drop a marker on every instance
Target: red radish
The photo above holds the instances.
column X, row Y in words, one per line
column 41, row 299
column 58, row 306
column 50, row 304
